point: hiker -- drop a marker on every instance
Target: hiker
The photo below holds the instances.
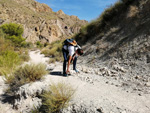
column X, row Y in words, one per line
column 70, row 51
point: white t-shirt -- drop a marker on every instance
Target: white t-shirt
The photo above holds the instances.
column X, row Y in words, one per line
column 71, row 49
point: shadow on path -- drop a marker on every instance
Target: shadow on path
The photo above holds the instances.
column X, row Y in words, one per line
column 56, row 73
column 6, row 98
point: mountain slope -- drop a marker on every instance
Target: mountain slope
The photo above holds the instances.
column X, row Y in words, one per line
column 121, row 37
column 115, row 28
column 39, row 20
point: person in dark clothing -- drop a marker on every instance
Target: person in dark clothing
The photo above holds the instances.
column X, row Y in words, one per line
column 70, row 53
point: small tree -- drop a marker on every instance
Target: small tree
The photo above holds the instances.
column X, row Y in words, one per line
column 12, row 29
column 14, row 33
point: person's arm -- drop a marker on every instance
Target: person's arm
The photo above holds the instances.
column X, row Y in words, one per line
column 70, row 57
column 73, row 56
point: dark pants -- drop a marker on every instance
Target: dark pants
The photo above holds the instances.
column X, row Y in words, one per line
column 65, row 55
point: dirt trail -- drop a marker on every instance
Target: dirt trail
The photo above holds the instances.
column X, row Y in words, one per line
column 101, row 94
column 93, row 93
column 96, row 95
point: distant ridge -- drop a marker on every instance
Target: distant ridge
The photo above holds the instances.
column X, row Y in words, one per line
column 39, row 21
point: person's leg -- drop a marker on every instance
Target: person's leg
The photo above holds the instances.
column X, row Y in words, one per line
column 65, row 54
column 74, row 64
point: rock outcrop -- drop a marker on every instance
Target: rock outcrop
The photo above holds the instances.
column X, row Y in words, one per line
column 39, row 21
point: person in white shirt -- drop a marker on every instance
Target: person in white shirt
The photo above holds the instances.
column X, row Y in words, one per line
column 70, row 53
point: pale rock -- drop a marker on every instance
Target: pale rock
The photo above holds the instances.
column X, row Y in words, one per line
column 119, row 68
column 111, row 112
column 148, row 84
column 113, row 73
column 123, row 112
column 26, row 95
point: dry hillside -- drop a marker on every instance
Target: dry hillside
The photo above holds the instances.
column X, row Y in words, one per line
column 121, row 37
column 114, row 72
column 39, row 20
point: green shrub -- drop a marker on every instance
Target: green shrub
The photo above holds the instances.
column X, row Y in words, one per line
column 12, row 29
column 26, row 44
column 25, row 74
column 17, row 40
column 13, row 32
column 10, row 56
column 9, row 60
column 57, row 98
column 1, row 33
column 39, row 45
column 5, row 45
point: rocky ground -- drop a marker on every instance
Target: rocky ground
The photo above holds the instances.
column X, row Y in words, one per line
column 99, row 89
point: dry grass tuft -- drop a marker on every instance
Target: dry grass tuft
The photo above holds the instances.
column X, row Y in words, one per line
column 54, row 51
column 25, row 74
column 9, row 60
column 57, row 98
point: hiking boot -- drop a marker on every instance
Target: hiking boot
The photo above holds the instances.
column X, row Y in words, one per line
column 65, row 75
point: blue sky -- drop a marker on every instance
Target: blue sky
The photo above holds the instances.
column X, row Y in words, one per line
column 84, row 9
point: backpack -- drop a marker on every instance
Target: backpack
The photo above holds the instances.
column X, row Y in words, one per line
column 70, row 42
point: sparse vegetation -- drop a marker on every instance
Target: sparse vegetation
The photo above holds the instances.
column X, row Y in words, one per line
column 11, row 54
column 24, row 55
column 5, row 44
column 25, row 74
column 133, row 11
column 9, row 60
column 103, row 23
column 28, row 45
column 57, row 98
column 54, row 51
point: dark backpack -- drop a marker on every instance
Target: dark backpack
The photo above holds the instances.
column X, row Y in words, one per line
column 70, row 42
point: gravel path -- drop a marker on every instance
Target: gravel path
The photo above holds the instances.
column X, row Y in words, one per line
column 95, row 95
column 93, row 92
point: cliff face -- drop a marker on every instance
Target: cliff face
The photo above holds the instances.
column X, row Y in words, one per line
column 39, row 20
